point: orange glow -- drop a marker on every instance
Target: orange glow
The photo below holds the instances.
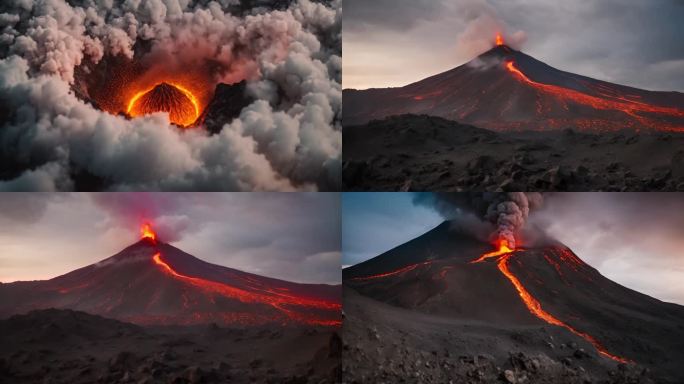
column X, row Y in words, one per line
column 146, row 232
column 502, row 249
column 277, row 300
column 391, row 273
column 611, row 102
column 499, row 39
column 533, row 304
column 195, row 103
column 535, row 307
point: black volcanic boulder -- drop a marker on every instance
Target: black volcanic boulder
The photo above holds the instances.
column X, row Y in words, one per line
column 228, row 101
column 166, row 98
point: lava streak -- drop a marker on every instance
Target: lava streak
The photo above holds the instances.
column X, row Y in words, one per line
column 535, row 308
column 616, row 103
column 274, row 299
column 502, row 249
column 146, row 232
column 391, row 273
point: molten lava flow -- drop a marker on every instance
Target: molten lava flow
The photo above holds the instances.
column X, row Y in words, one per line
column 502, row 249
column 182, row 105
column 278, row 301
column 499, row 39
column 391, row 273
column 534, row 306
column 614, row 102
column 146, row 232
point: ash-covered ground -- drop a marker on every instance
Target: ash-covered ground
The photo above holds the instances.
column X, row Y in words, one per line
column 63, row 346
column 425, row 153
column 387, row 344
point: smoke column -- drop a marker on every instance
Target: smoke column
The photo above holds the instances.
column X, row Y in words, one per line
column 507, row 212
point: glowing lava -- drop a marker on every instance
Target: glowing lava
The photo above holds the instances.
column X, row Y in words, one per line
column 146, row 232
column 499, row 39
column 502, row 249
column 611, row 102
column 277, row 300
column 533, row 304
column 178, row 101
column 392, row 273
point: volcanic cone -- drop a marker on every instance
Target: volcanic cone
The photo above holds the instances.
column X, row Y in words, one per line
column 166, row 98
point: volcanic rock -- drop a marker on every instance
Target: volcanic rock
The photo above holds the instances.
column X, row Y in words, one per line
column 165, row 97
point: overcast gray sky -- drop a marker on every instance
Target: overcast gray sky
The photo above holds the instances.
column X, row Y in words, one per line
column 634, row 239
column 632, row 42
column 292, row 236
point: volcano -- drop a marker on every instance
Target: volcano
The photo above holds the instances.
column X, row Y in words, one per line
column 155, row 283
column 539, row 312
column 504, row 89
column 180, row 103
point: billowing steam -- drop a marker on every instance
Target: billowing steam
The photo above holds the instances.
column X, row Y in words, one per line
column 507, row 212
column 483, row 24
column 288, row 138
column 163, row 212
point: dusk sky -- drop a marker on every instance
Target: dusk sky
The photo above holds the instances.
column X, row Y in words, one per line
column 632, row 238
column 291, row 236
column 631, row 42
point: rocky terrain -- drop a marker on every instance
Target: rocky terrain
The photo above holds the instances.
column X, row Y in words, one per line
column 63, row 346
column 385, row 344
column 425, row 153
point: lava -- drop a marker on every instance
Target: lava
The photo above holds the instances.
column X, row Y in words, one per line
column 613, row 102
column 146, row 232
column 533, row 304
column 391, row 273
column 277, row 300
column 499, row 39
column 182, row 105
column 502, row 249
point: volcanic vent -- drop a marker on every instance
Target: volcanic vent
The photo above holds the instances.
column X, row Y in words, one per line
column 152, row 282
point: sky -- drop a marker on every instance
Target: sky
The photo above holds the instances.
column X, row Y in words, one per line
column 634, row 239
column 631, row 42
column 291, row 236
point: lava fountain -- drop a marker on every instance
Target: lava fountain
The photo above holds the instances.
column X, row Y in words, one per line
column 146, row 232
column 179, row 102
column 499, row 39
column 533, row 305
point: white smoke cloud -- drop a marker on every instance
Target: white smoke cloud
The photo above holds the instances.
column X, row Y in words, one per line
column 482, row 24
column 289, row 138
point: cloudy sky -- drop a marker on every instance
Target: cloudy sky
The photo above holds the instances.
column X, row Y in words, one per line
column 631, row 42
column 634, row 239
column 292, row 236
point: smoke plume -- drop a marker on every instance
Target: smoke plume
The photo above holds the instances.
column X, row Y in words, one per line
column 506, row 212
column 483, row 23
column 53, row 138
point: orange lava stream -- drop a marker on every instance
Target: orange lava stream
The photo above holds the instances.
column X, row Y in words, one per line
column 276, row 301
column 627, row 106
column 185, row 91
column 396, row 272
column 146, row 232
column 533, row 304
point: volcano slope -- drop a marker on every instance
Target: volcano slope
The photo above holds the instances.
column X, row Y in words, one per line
column 427, row 312
column 533, row 107
column 177, row 318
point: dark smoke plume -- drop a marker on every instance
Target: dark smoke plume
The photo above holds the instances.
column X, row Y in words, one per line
column 506, row 211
